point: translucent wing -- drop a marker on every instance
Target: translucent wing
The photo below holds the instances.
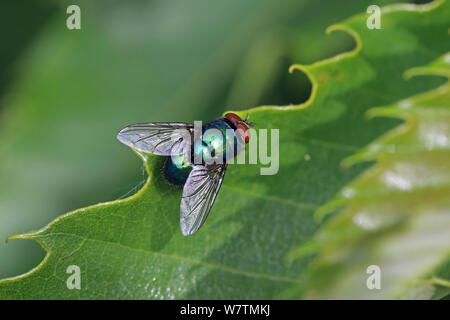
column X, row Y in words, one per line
column 199, row 193
column 162, row 139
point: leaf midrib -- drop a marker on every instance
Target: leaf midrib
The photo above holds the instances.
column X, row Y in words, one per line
column 252, row 274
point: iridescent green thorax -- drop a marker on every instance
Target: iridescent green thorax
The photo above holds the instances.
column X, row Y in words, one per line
column 214, row 143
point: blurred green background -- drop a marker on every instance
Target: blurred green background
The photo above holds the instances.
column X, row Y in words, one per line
column 64, row 94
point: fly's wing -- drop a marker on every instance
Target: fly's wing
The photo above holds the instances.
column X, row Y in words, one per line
column 164, row 139
column 199, row 193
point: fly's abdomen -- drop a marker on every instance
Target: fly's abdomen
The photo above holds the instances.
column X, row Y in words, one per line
column 176, row 170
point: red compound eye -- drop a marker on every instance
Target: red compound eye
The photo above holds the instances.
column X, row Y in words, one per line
column 243, row 130
column 233, row 117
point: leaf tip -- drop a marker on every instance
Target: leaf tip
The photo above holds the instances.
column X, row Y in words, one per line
column 306, row 249
column 323, row 211
column 295, row 67
column 28, row 235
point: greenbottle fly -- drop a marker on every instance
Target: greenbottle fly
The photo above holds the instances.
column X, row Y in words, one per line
column 197, row 163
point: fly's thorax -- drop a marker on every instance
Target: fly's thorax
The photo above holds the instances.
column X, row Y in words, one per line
column 219, row 143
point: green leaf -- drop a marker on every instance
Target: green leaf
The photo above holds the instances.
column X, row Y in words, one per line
column 131, row 62
column 397, row 213
column 133, row 248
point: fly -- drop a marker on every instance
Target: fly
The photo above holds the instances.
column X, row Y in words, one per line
column 201, row 180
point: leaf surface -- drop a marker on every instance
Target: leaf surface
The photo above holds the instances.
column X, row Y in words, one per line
column 397, row 213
